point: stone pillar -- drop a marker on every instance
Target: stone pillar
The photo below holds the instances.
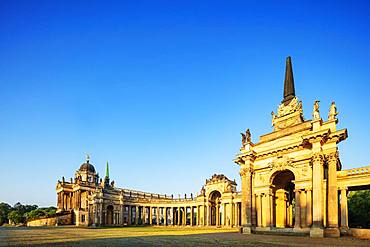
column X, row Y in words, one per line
column 136, row 215
column 101, row 213
column 164, row 216
column 317, row 196
column 267, row 209
column 173, row 216
column 179, row 216
column 191, row 216
column 297, row 209
column 184, row 217
column 246, row 212
column 217, row 215
column 129, row 215
column 309, row 206
column 157, row 215
column 150, row 215
column 231, row 214
column 303, row 209
column 343, row 210
column 259, row 210
column 332, row 231
column 208, row 214
column 144, row 215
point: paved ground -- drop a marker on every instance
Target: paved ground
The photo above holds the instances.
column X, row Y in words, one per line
column 155, row 236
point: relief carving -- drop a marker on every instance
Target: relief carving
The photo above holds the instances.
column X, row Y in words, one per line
column 281, row 163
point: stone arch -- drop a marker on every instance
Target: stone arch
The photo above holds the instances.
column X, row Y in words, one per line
column 283, row 186
column 214, row 199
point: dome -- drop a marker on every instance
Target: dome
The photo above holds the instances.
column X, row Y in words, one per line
column 87, row 167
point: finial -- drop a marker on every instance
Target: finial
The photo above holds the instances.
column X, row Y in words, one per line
column 289, row 91
column 87, row 158
column 107, row 170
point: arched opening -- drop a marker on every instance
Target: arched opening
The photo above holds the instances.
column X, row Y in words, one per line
column 283, row 189
column 215, row 202
column 109, row 215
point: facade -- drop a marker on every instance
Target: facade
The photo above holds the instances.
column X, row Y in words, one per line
column 291, row 180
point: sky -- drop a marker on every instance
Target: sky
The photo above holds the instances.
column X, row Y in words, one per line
column 162, row 89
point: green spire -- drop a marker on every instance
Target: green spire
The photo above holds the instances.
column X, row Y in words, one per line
column 107, row 170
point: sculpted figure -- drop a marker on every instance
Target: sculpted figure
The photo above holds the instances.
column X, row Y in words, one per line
column 248, row 135
column 244, row 139
column 316, row 112
column 333, row 111
column 273, row 116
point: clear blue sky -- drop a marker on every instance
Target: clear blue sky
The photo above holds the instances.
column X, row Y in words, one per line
column 162, row 89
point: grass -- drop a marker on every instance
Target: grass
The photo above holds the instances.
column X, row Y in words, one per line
column 154, row 236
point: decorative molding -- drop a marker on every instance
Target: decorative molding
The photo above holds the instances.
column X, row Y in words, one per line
column 293, row 106
column 281, row 163
column 317, row 158
column 332, row 158
column 245, row 171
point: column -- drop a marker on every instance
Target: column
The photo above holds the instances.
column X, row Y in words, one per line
column 165, row 216
column 144, row 216
column 343, row 209
column 217, row 215
column 184, row 217
column 246, row 212
column 191, row 216
column 297, row 209
column 236, row 214
column 309, row 206
column 231, row 214
column 267, row 211
column 128, row 215
column 303, row 209
column 208, row 214
column 136, row 215
column 62, row 201
column 101, row 213
column 173, row 216
column 157, row 215
column 317, row 196
column 150, row 215
column 332, row 190
column 259, row 209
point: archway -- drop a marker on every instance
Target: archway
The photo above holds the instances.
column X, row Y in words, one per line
column 109, row 215
column 283, row 189
column 215, row 202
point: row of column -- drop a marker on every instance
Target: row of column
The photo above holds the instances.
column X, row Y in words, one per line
column 163, row 215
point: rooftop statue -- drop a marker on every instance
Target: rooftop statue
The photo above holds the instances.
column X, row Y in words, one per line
column 316, row 112
column 333, row 111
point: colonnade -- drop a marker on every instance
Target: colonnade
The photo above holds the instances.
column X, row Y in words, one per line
column 225, row 214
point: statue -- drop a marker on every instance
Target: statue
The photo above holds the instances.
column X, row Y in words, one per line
column 333, row 111
column 87, row 158
column 203, row 191
column 112, row 183
column 246, row 138
column 244, row 141
column 273, row 116
column 316, row 112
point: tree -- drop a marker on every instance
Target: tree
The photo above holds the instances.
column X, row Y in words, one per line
column 358, row 209
column 4, row 211
column 16, row 217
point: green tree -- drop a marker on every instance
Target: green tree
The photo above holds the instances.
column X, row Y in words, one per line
column 16, row 217
column 359, row 209
column 40, row 213
column 4, row 211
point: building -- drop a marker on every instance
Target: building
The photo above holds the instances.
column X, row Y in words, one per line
column 291, row 179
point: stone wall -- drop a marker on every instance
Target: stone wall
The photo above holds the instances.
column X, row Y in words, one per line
column 359, row 233
column 65, row 219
